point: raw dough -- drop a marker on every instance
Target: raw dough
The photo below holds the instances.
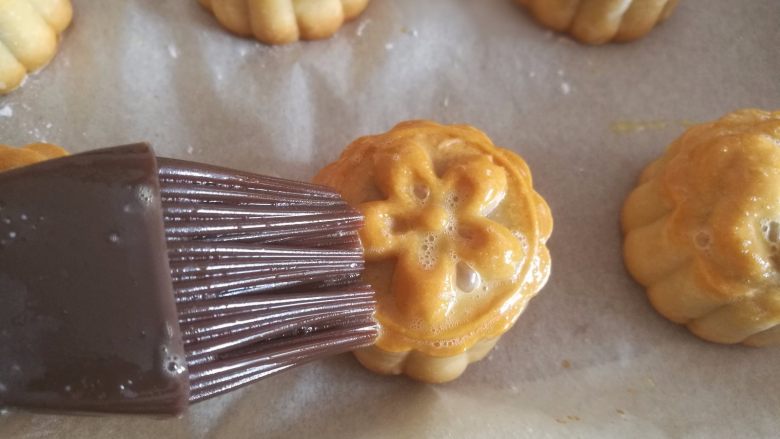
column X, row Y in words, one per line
column 601, row 21
column 284, row 21
column 29, row 34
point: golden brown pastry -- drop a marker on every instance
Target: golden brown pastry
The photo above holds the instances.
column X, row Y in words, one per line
column 454, row 239
column 284, row 21
column 29, row 34
column 12, row 157
column 601, row 21
column 702, row 230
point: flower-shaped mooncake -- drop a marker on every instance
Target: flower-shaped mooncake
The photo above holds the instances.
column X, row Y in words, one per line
column 703, row 230
column 11, row 157
column 601, row 21
column 29, row 34
column 284, row 21
column 454, row 239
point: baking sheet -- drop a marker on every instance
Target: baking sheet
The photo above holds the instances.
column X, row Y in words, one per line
column 589, row 358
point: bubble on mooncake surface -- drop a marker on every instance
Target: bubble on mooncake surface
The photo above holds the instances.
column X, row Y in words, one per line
column 467, row 278
column 703, row 239
column 771, row 231
column 427, row 252
column 421, row 192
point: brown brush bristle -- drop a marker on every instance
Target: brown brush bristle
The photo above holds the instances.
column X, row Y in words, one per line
column 266, row 274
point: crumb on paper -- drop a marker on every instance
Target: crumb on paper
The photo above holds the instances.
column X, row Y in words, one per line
column 565, row 88
column 362, row 27
column 173, row 51
column 630, row 127
column 6, row 111
column 36, row 134
column 49, row 125
column 412, row 32
column 567, row 419
column 190, row 149
column 620, row 412
column 566, row 364
column 446, row 102
column 389, row 46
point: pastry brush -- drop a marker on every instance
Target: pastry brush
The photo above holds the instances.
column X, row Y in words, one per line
column 136, row 284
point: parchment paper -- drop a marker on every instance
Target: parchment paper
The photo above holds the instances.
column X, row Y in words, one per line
column 589, row 358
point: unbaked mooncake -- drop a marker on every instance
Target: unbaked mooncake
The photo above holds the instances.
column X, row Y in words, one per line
column 29, row 35
column 601, row 21
column 454, row 239
column 284, row 21
column 702, row 230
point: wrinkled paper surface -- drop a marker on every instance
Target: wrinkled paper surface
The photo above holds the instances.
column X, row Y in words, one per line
column 589, row 358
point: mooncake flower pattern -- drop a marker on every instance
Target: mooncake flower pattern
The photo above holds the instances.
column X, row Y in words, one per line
column 418, row 222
